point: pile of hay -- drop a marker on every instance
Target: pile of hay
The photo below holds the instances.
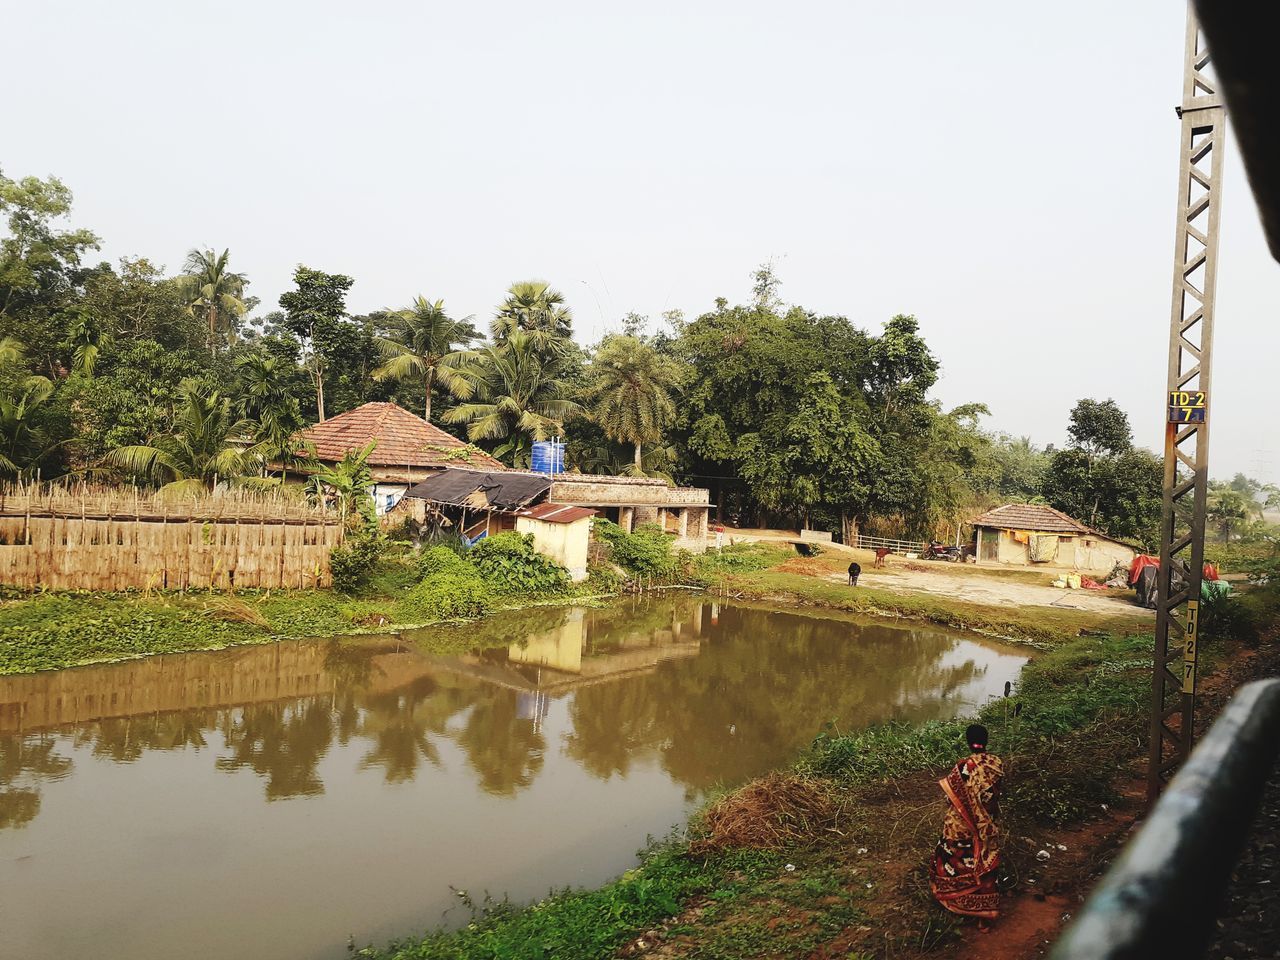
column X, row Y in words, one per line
column 778, row 810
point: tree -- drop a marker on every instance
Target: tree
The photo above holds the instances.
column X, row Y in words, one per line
column 349, row 482
column 630, row 390
column 24, row 442
column 423, row 344
column 86, row 339
column 536, row 309
column 206, row 445
column 820, row 456
column 214, row 292
column 520, row 395
column 313, row 313
column 266, row 401
column 1229, row 508
column 901, row 370
column 1100, row 427
column 39, row 264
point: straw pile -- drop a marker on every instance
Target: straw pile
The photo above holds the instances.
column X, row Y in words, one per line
column 778, row 810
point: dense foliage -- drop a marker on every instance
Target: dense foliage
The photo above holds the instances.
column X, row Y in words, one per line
column 124, row 372
column 509, row 564
column 645, row 552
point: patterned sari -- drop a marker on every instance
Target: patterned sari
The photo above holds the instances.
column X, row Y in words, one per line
column 963, row 875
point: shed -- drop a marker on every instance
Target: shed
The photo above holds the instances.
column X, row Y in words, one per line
column 561, row 532
column 479, row 504
column 1033, row 534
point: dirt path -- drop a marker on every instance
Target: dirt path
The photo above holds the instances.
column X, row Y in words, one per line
column 969, row 584
column 996, row 590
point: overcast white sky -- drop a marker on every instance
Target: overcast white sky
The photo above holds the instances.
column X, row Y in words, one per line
column 1005, row 171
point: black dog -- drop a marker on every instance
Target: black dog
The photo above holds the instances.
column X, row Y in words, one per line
column 855, row 571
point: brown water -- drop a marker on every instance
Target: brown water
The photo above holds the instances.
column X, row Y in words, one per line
column 274, row 801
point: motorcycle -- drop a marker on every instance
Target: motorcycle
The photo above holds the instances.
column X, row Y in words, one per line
column 940, row 551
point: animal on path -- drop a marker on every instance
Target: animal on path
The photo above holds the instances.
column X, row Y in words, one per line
column 881, row 553
column 855, row 571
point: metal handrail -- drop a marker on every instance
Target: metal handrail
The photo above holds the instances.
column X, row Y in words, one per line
column 1160, row 899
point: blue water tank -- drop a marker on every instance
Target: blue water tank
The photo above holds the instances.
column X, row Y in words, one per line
column 548, row 456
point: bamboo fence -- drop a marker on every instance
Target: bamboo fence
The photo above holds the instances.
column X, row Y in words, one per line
column 96, row 538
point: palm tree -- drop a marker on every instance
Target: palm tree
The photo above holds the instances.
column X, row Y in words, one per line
column 86, row 338
column 266, row 401
column 535, row 308
column 211, row 289
column 205, row 445
column 630, row 392
column 349, row 482
column 520, row 396
column 23, row 442
column 423, row 345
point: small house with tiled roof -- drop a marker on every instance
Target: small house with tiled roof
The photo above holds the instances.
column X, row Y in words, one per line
column 407, row 448
column 1034, row 534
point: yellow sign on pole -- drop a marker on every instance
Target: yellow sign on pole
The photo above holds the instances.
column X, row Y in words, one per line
column 1190, row 649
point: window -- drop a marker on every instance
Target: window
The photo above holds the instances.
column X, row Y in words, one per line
column 1065, row 539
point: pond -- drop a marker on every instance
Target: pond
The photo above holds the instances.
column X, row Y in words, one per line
column 275, row 801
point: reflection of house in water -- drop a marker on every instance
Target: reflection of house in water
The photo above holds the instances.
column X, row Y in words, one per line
column 582, row 650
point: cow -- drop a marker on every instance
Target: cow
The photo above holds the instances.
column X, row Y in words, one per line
column 881, row 553
column 855, row 571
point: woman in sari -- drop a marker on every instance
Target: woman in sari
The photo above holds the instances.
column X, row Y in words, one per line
column 963, row 875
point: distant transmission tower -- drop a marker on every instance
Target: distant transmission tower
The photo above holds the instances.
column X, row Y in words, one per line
column 1186, row 447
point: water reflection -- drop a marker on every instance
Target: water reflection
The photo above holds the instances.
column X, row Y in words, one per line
column 598, row 726
column 718, row 694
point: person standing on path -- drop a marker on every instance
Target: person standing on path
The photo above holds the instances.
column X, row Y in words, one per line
column 965, row 861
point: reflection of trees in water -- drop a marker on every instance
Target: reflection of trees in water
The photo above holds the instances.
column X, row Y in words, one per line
column 399, row 724
column 282, row 742
column 762, row 686
column 505, row 749
column 760, row 691
column 31, row 757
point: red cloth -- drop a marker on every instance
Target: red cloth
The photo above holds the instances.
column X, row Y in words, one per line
column 1091, row 584
column 1141, row 562
column 1211, row 572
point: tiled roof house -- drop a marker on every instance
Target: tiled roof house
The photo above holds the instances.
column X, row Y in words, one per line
column 408, row 449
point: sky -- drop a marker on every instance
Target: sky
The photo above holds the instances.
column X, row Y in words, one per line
column 1006, row 172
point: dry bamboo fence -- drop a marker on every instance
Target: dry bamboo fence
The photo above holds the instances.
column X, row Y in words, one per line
column 87, row 538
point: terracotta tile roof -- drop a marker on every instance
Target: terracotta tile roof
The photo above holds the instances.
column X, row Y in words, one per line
column 404, row 439
column 556, row 512
column 1030, row 517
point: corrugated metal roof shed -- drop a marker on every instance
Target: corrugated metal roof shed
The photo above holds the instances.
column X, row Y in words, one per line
column 500, row 490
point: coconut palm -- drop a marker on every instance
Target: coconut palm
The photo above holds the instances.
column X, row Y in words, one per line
column 424, row 344
column 213, row 291
column 207, row 444
column 535, row 308
column 630, row 392
column 23, row 441
column 520, row 396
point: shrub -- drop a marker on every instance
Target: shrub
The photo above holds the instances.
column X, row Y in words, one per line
column 509, row 564
column 646, row 552
column 445, row 596
column 352, row 562
column 434, row 561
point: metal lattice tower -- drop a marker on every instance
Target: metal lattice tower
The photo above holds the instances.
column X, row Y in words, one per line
column 1186, row 448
